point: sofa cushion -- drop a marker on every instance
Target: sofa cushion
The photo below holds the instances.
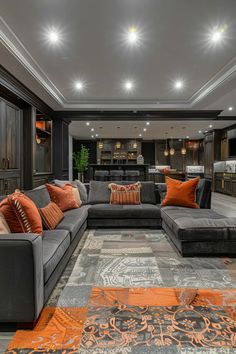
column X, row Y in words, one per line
column 39, row 195
column 99, row 192
column 73, row 220
column 110, row 211
column 55, row 244
column 198, row 224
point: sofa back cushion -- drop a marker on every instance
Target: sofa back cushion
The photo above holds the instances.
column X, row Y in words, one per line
column 99, row 192
column 39, row 196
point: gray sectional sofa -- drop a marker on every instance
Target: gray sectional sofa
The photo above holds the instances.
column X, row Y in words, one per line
column 30, row 265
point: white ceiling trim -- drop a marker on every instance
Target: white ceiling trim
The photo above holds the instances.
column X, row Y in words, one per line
column 9, row 39
column 15, row 46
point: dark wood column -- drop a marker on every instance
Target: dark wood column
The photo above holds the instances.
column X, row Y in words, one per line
column 61, row 148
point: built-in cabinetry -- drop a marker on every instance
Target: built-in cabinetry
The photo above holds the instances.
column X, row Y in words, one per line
column 225, row 183
column 212, row 152
column 112, row 151
column 42, row 159
column 10, row 147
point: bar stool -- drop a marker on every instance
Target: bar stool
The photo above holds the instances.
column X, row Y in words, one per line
column 101, row 175
column 116, row 175
column 132, row 175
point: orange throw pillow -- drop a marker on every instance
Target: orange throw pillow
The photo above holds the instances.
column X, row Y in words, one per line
column 51, row 215
column 125, row 194
column 181, row 193
column 63, row 197
column 21, row 214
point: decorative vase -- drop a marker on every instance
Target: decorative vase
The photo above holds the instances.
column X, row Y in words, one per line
column 81, row 176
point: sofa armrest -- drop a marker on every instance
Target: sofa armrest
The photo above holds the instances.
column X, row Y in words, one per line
column 21, row 277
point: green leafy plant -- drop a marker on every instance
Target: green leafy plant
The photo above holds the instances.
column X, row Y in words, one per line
column 81, row 159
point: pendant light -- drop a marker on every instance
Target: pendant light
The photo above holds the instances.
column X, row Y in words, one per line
column 183, row 149
column 172, row 150
column 166, row 151
column 118, row 145
column 135, row 145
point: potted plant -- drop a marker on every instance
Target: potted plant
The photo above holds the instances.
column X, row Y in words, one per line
column 81, row 160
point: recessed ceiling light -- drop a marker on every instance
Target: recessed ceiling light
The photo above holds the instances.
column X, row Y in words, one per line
column 53, row 36
column 79, row 85
column 230, row 108
column 187, row 137
column 206, row 131
column 128, row 85
column 178, row 84
column 200, row 132
column 133, row 35
column 218, row 34
column 140, row 135
column 92, row 129
column 147, row 123
column 92, row 136
column 96, row 135
column 144, row 129
column 210, row 126
column 87, row 123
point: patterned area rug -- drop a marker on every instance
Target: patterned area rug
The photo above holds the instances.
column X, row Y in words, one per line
column 128, row 291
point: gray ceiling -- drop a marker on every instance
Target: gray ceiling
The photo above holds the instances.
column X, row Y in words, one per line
column 156, row 130
column 174, row 44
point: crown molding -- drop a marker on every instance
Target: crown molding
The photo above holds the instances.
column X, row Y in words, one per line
column 16, row 47
column 9, row 39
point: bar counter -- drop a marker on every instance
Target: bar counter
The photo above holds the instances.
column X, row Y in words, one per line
column 143, row 169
